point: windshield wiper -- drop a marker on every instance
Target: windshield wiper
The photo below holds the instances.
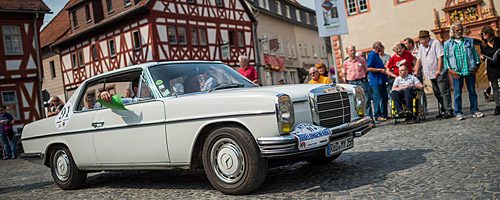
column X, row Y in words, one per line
column 225, row 86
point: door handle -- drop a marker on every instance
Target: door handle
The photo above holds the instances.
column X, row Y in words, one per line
column 97, row 124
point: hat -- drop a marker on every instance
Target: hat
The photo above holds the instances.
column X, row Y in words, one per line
column 423, row 33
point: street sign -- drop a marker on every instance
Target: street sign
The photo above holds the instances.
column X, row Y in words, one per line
column 224, row 49
column 331, row 17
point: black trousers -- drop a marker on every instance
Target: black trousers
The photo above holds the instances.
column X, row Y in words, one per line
column 405, row 95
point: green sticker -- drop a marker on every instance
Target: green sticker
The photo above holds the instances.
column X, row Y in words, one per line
column 159, row 82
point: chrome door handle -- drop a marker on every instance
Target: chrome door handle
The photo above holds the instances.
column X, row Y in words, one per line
column 97, row 124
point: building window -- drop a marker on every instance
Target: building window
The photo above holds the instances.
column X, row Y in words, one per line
column 219, row 3
column 181, row 31
column 288, row 50
column 297, row 13
column 263, row 41
column 306, row 53
column 232, row 41
column 241, row 39
column 202, row 36
column 112, row 52
column 300, row 50
column 314, row 52
column 73, row 61
column 9, row 100
column 287, row 10
column 191, row 1
column 351, row 7
column 308, row 21
column 52, row 69
column 172, row 35
column 87, row 13
column 95, row 56
column 127, row 3
column 194, row 36
column 264, row 4
column 109, row 6
column 81, row 62
column 13, row 44
column 355, row 6
column 278, row 7
column 363, row 5
column 137, row 42
column 75, row 20
column 292, row 46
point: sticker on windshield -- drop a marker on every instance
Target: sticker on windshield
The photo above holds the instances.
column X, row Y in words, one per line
column 64, row 115
column 311, row 136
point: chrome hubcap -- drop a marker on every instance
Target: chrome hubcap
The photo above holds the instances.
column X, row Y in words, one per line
column 227, row 160
column 62, row 165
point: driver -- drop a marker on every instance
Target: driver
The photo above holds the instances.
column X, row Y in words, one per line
column 207, row 81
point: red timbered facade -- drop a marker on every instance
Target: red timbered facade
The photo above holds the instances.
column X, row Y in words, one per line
column 154, row 30
column 20, row 58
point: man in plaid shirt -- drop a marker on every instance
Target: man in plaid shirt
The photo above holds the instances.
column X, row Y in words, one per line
column 462, row 61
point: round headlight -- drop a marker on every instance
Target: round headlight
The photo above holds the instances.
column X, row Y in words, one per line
column 360, row 101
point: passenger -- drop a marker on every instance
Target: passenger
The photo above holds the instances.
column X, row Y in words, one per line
column 192, row 84
column 56, row 106
column 128, row 93
column 89, row 100
column 404, row 89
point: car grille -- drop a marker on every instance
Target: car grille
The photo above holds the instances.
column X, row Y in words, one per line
column 333, row 109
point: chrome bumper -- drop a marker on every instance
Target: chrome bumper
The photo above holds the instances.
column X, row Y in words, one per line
column 37, row 158
column 288, row 144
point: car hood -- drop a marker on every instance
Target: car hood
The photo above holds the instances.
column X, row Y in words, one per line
column 298, row 92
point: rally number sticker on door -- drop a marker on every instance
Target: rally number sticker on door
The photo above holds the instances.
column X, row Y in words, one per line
column 64, row 115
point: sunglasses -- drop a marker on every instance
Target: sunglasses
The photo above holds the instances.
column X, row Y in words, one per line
column 313, row 73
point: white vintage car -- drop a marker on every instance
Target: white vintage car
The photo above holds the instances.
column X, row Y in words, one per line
column 194, row 115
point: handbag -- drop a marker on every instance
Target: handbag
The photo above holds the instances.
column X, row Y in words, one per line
column 8, row 130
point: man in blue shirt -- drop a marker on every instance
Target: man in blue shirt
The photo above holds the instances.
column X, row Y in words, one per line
column 378, row 79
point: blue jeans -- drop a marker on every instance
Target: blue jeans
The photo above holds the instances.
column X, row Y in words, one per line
column 9, row 146
column 458, row 84
column 366, row 88
column 380, row 98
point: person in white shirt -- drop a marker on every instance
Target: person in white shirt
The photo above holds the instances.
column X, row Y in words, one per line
column 404, row 88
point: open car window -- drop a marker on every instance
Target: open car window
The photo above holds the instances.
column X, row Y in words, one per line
column 190, row 78
column 129, row 85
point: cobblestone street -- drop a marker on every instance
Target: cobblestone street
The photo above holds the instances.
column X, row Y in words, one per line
column 436, row 159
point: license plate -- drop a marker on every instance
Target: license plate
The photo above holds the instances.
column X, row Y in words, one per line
column 336, row 146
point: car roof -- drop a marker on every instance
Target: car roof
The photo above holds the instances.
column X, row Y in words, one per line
column 145, row 65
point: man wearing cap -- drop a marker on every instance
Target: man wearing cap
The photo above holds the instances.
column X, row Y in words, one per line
column 430, row 59
column 462, row 61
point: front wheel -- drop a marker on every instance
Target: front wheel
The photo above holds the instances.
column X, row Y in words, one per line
column 64, row 171
column 232, row 161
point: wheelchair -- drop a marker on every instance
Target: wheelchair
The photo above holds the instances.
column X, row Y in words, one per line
column 419, row 112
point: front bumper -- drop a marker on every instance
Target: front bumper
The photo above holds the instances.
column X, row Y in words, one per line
column 288, row 144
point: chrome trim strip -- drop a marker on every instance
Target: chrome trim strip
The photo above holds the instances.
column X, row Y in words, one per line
column 32, row 155
column 135, row 166
column 151, row 123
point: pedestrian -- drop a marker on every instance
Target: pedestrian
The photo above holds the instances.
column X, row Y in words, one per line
column 7, row 133
column 377, row 74
column 281, row 82
column 400, row 54
column 430, row 60
column 490, row 47
column 462, row 61
column 247, row 70
column 355, row 73
column 410, row 45
column 322, row 69
column 385, row 58
column 316, row 78
column 56, row 106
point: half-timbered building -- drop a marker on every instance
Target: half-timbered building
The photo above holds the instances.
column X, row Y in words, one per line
column 112, row 34
column 20, row 23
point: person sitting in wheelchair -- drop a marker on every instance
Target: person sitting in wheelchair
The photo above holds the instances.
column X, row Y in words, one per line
column 404, row 89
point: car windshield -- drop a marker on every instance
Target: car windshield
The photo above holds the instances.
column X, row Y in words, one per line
column 189, row 78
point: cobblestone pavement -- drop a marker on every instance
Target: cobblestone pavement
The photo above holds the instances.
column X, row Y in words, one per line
column 437, row 159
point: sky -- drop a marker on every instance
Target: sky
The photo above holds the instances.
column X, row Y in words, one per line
column 56, row 6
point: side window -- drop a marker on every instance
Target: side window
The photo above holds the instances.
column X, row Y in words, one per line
column 144, row 91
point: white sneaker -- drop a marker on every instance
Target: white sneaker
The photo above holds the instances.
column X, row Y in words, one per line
column 460, row 117
column 478, row 115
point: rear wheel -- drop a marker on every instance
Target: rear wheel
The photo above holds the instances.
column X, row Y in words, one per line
column 321, row 160
column 232, row 161
column 64, row 171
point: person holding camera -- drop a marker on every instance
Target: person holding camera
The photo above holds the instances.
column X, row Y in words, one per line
column 7, row 134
